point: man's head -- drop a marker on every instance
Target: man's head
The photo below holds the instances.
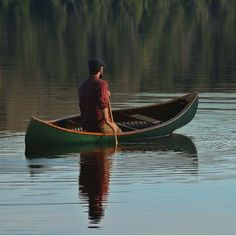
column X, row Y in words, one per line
column 96, row 65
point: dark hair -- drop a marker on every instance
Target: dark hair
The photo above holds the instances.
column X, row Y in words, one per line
column 94, row 65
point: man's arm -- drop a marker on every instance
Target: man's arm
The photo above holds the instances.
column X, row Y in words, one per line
column 106, row 116
column 103, row 103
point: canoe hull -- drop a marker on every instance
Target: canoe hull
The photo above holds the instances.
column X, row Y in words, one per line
column 45, row 134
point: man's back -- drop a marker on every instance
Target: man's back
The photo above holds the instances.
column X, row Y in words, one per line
column 93, row 96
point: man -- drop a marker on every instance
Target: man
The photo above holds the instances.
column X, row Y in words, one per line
column 94, row 101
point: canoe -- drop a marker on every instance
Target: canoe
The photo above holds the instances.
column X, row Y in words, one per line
column 140, row 123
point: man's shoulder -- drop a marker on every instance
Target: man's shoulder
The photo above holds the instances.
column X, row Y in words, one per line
column 101, row 82
column 93, row 82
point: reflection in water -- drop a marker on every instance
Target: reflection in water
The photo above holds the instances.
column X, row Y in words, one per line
column 96, row 163
column 174, row 142
column 95, row 167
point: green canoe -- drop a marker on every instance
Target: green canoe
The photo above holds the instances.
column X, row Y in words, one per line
column 138, row 123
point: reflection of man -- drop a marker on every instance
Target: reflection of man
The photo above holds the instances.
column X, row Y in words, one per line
column 94, row 180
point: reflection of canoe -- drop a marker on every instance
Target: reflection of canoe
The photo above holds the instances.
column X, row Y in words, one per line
column 174, row 156
column 136, row 123
column 174, row 142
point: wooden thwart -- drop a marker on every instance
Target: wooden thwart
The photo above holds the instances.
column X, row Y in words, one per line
column 125, row 126
column 146, row 119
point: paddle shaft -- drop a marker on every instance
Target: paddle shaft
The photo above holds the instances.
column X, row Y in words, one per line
column 110, row 111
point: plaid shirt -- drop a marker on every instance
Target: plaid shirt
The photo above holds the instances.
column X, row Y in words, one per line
column 93, row 97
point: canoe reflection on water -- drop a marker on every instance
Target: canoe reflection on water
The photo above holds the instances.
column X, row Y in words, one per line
column 96, row 165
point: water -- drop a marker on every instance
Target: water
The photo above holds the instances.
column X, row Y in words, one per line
column 183, row 184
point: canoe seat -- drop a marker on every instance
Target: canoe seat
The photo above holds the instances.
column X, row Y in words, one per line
column 146, row 119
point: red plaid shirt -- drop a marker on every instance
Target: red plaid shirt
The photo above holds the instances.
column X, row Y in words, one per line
column 93, row 97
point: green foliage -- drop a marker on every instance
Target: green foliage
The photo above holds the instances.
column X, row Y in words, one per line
column 60, row 35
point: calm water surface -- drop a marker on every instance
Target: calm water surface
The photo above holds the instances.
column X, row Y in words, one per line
column 182, row 184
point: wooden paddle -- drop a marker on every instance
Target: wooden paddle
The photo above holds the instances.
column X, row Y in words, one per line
column 116, row 140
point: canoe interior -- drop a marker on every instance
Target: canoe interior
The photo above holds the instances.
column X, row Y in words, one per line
column 137, row 118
